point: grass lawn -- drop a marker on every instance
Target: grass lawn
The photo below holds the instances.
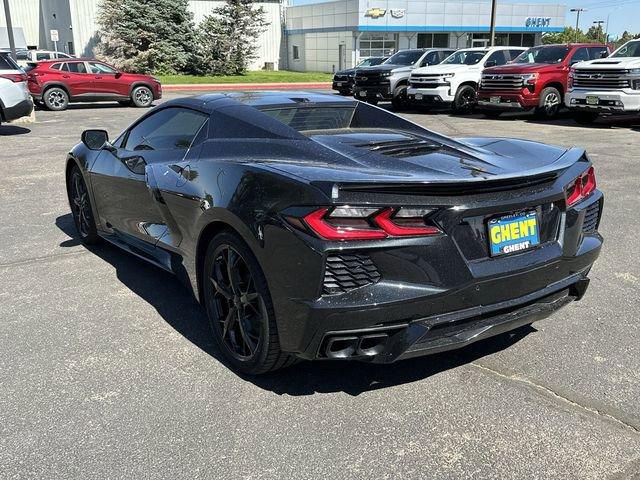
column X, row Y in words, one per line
column 281, row 76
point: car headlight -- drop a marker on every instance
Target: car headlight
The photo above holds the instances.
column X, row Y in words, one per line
column 530, row 78
column 634, row 71
column 387, row 74
column 448, row 75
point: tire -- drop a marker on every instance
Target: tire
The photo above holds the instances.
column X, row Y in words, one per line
column 585, row 118
column 141, row 97
column 400, row 100
column 549, row 104
column 240, row 312
column 465, row 100
column 56, row 99
column 80, row 203
column 494, row 114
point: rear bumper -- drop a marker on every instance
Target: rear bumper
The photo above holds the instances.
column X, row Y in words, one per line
column 448, row 332
column 19, row 110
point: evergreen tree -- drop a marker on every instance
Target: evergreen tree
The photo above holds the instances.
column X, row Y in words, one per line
column 146, row 36
column 228, row 37
column 568, row 35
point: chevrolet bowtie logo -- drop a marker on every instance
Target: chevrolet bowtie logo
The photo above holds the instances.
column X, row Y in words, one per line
column 376, row 12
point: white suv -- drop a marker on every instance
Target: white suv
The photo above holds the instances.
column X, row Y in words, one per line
column 15, row 100
column 456, row 79
column 25, row 57
column 606, row 85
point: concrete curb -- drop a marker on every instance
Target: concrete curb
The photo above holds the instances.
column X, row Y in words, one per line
column 229, row 87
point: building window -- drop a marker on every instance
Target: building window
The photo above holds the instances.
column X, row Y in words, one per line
column 296, row 52
column 437, row 40
column 376, row 45
column 505, row 39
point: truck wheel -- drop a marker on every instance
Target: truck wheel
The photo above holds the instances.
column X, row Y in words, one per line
column 465, row 100
column 549, row 104
column 585, row 118
column 399, row 100
column 56, row 99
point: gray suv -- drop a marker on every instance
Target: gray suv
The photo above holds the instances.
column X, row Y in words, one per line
column 389, row 80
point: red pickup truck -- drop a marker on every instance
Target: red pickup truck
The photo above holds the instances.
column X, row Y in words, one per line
column 537, row 79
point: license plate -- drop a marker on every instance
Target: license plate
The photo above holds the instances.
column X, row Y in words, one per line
column 363, row 93
column 418, row 96
column 494, row 99
column 339, row 84
column 513, row 233
column 592, row 100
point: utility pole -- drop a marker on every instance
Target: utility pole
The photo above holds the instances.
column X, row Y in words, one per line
column 599, row 23
column 12, row 42
column 577, row 10
column 492, row 30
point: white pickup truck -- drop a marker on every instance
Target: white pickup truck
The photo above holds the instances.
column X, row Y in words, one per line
column 456, row 79
column 607, row 85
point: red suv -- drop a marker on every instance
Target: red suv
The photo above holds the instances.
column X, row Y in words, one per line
column 56, row 83
column 537, row 79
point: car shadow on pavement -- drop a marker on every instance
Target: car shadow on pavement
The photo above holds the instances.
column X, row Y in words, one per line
column 180, row 310
column 6, row 130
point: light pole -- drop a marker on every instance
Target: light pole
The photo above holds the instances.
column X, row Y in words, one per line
column 599, row 23
column 12, row 42
column 492, row 30
column 577, row 10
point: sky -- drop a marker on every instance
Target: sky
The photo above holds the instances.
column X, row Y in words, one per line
column 623, row 14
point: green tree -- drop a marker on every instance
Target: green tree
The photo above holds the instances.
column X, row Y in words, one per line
column 227, row 38
column 146, row 36
column 568, row 35
column 626, row 36
column 595, row 34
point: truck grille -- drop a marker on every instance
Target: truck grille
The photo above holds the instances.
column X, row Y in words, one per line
column 345, row 272
column 501, row 82
column 427, row 80
column 601, row 79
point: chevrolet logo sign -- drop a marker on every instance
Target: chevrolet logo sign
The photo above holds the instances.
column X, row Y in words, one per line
column 375, row 12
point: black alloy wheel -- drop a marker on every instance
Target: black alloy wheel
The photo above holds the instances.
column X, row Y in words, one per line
column 465, row 100
column 80, row 204
column 239, row 307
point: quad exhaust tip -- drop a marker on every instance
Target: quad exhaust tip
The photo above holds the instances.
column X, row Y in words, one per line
column 368, row 345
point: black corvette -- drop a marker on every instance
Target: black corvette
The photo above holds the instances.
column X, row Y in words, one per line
column 317, row 227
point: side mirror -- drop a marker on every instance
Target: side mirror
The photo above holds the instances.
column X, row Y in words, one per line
column 118, row 74
column 490, row 63
column 604, row 54
column 95, row 139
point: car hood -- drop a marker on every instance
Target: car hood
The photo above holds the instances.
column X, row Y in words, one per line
column 348, row 71
column 516, row 68
column 612, row 63
column 380, row 155
column 388, row 67
column 442, row 68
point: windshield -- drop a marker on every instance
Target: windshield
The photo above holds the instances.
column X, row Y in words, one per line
column 370, row 62
column 543, row 55
column 405, row 57
column 465, row 57
column 631, row 49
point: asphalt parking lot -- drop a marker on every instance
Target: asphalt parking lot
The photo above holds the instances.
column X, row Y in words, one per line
column 107, row 370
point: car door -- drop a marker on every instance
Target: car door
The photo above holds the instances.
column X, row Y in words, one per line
column 124, row 181
column 496, row 59
column 598, row 52
column 76, row 78
column 105, row 80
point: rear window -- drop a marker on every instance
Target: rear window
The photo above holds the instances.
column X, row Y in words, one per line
column 7, row 63
column 313, row 118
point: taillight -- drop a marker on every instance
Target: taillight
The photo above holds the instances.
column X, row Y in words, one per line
column 581, row 187
column 14, row 77
column 366, row 223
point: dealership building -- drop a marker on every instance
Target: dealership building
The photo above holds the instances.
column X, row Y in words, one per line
column 316, row 37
